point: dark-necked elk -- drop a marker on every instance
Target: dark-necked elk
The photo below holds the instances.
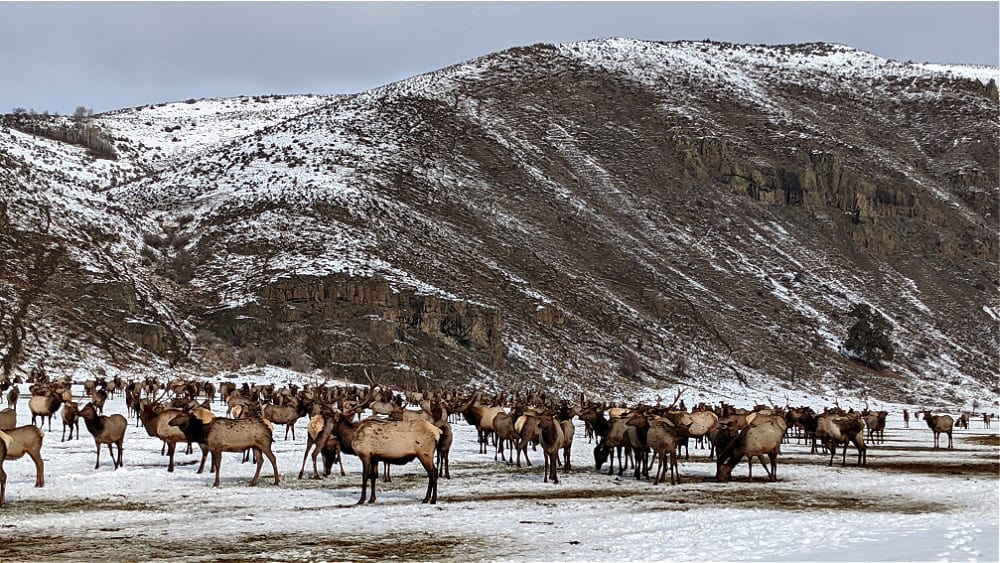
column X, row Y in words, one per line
column 481, row 416
column 28, row 440
column 105, row 430
column 938, row 424
column 44, row 404
column 229, row 435
column 833, row 429
column 550, row 438
column 156, row 419
column 70, row 419
column 761, row 436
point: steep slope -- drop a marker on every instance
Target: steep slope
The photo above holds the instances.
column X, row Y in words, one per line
column 603, row 216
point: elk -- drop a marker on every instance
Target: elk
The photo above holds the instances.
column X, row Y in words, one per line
column 229, row 435
column 938, row 424
column 44, row 404
column 70, row 419
column 12, row 397
column 761, row 436
column 480, row 416
column 374, row 441
column 875, row 421
column 662, row 439
column 330, row 450
column 284, row 414
column 503, row 426
column 833, row 429
column 156, row 421
column 550, row 435
column 28, row 440
column 106, row 430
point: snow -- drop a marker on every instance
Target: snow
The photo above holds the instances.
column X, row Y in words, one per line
column 898, row 508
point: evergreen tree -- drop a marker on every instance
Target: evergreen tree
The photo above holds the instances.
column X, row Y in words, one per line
column 868, row 339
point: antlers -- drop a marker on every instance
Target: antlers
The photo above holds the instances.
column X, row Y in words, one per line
column 677, row 397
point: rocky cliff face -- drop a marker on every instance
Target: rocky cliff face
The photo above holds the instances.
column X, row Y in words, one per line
column 608, row 216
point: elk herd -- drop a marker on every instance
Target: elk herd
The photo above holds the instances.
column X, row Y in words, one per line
column 408, row 426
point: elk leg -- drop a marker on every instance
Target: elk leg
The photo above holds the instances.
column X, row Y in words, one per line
column 204, row 455
column 39, row 468
column 98, row 464
column 259, row 458
column 120, row 462
column 171, row 447
column 428, row 463
column 217, row 465
column 274, row 463
column 309, row 445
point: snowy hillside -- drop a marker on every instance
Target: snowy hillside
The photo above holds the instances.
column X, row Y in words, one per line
column 612, row 216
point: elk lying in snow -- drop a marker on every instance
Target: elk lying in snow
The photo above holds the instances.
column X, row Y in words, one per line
column 70, row 419
column 229, row 435
column 938, row 424
column 761, row 436
column 8, row 419
column 28, row 440
column 833, row 429
column 106, row 430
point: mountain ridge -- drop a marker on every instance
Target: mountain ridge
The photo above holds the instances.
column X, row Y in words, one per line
column 611, row 215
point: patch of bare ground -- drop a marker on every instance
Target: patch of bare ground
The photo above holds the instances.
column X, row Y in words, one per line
column 420, row 546
column 984, row 440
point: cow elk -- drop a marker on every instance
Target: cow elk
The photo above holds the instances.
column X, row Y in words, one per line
column 229, row 435
column 939, row 424
column 105, row 430
column 28, row 440
column 761, row 436
column 71, row 419
column 833, row 429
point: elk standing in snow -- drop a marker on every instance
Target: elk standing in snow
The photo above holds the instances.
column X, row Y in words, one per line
column 229, row 435
column 28, row 440
column 106, row 430
column 938, row 424
column 833, row 429
column 761, row 436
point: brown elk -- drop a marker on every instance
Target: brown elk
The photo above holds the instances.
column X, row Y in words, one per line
column 833, row 429
column 12, row 397
column 106, row 430
column 285, row 414
column 28, row 440
column 156, row 420
column 70, row 419
column 551, row 438
column 330, row 450
column 45, row 403
column 374, row 441
column 229, row 435
column 761, row 436
column 939, row 424
column 875, row 421
column 662, row 438
column 481, row 416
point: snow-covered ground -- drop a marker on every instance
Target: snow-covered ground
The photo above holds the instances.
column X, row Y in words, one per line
column 910, row 503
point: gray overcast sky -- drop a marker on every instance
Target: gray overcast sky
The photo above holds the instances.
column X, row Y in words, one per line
column 57, row 56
